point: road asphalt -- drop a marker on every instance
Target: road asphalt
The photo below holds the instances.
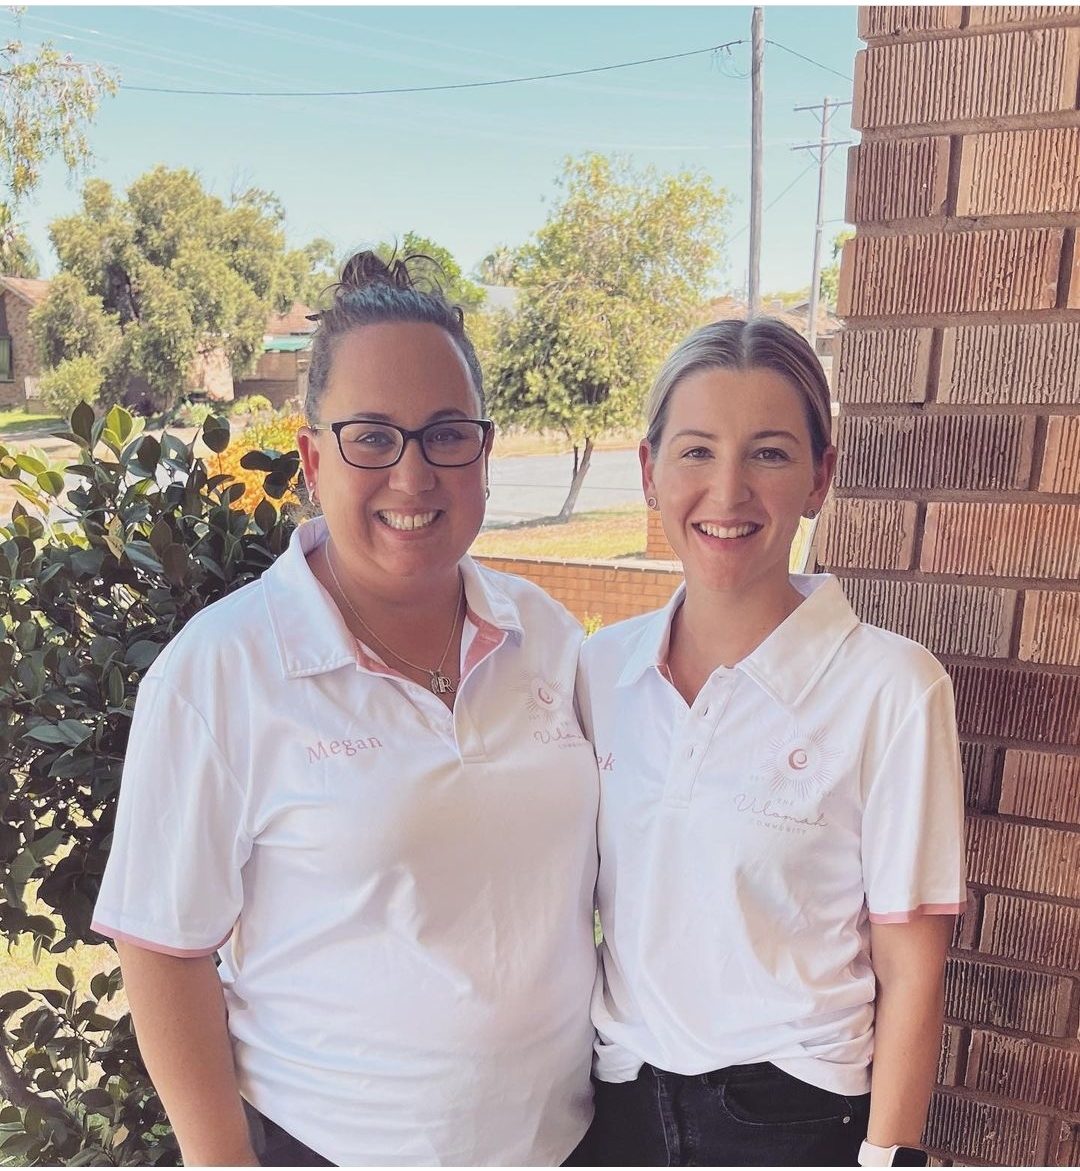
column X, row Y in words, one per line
column 523, row 488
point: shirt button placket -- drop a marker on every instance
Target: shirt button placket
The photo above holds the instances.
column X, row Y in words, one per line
column 691, row 745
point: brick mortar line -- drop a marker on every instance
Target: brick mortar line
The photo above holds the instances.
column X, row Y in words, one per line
column 991, row 124
column 967, row 31
column 954, row 225
column 1062, row 1044
column 1038, row 746
column 1036, row 823
column 861, row 322
column 945, row 410
column 989, row 1098
column 1056, row 670
column 952, row 495
column 862, row 572
column 1065, row 267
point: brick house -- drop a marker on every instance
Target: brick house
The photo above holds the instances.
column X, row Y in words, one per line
column 19, row 366
column 282, row 371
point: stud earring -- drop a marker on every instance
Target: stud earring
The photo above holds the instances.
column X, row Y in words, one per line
column 810, row 513
column 651, row 502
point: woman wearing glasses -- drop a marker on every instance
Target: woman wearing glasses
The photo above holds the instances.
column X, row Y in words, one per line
column 361, row 781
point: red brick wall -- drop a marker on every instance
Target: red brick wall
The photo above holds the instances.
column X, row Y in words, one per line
column 24, row 359
column 956, row 520
column 608, row 590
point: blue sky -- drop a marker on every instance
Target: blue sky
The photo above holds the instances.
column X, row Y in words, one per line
column 470, row 168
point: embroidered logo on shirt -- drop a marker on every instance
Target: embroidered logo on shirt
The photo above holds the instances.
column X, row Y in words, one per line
column 800, row 765
column 543, row 700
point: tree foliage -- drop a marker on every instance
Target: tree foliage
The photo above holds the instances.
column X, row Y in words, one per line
column 182, row 272
column 499, row 267
column 444, row 271
column 16, row 252
column 612, row 281
column 830, row 273
column 47, row 101
column 95, row 578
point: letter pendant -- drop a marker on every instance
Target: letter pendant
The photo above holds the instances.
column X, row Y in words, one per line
column 439, row 683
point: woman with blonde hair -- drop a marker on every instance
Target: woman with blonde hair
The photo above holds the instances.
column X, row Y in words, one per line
column 781, row 807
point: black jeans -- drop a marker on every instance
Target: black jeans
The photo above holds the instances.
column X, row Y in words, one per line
column 275, row 1147
column 741, row 1116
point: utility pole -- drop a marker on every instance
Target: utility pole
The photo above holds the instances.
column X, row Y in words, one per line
column 757, row 54
column 824, row 148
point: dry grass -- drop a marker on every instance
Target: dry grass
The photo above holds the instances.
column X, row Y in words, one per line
column 604, row 534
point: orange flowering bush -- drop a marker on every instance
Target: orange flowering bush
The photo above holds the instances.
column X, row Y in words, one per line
column 277, row 433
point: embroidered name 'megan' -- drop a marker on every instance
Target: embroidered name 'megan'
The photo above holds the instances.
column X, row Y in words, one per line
column 323, row 750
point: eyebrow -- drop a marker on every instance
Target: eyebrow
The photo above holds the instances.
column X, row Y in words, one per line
column 376, row 417
column 689, row 432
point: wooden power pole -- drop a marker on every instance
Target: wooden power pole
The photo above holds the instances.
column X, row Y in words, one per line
column 757, row 37
column 824, row 148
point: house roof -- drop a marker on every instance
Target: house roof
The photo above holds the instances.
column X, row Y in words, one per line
column 295, row 321
column 31, row 290
column 794, row 315
column 285, row 345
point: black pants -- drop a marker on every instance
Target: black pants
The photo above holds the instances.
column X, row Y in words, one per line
column 275, row 1147
column 741, row 1116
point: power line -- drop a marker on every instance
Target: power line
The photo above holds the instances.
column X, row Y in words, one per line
column 803, row 57
column 768, row 206
column 359, row 93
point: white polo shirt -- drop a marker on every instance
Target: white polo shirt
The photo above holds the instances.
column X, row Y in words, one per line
column 402, row 894
column 746, row 842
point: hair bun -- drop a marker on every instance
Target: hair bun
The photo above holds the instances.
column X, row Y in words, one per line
column 415, row 271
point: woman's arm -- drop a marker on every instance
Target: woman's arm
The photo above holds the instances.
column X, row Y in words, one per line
column 909, row 962
column 180, row 1021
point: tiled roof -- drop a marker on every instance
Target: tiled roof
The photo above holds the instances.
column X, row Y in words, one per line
column 29, row 288
column 293, row 322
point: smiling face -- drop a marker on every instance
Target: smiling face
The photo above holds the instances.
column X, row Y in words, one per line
column 406, row 527
column 733, row 472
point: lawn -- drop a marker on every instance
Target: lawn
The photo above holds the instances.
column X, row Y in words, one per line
column 604, row 534
column 17, row 422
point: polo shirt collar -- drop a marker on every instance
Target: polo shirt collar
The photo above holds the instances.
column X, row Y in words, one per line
column 788, row 662
column 311, row 635
column 793, row 658
column 651, row 647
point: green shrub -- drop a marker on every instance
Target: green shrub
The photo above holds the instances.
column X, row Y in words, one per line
column 73, row 381
column 95, row 578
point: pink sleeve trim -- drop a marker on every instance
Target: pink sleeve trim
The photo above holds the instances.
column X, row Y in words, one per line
column 918, row 912
column 182, row 953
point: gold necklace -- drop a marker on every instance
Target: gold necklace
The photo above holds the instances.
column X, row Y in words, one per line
column 438, row 682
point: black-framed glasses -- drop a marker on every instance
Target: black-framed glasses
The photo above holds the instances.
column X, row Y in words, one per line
column 448, row 443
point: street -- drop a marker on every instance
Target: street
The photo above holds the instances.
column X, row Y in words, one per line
column 534, row 486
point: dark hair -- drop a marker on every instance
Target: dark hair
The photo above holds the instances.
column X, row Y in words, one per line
column 373, row 291
column 762, row 343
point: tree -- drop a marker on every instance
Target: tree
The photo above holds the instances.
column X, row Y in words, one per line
column 612, row 281
column 16, row 252
column 48, row 100
column 445, row 270
column 830, row 274
column 183, row 272
column 499, row 267
column 322, row 272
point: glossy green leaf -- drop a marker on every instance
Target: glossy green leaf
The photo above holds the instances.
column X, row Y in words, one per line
column 82, row 421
